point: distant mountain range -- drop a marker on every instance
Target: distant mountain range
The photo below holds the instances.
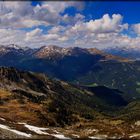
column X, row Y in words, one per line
column 13, row 51
column 130, row 53
column 45, row 51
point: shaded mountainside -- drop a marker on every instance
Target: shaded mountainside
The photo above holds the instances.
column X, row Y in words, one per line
column 66, row 63
column 110, row 96
column 58, row 98
column 77, row 65
column 122, row 76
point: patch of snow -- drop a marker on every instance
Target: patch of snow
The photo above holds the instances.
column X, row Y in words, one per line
column 15, row 131
column 60, row 136
column 2, row 119
column 134, row 135
column 98, row 137
column 21, row 123
column 77, row 136
column 137, row 123
column 115, row 137
column 56, row 131
column 14, row 46
column 92, row 130
column 38, row 130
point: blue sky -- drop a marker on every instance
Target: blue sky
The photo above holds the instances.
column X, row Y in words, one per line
column 129, row 10
column 84, row 24
column 96, row 9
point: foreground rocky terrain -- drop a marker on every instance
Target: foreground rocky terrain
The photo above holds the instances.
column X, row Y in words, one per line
column 35, row 106
column 99, row 129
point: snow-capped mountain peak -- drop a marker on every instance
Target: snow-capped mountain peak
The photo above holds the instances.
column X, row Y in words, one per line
column 14, row 46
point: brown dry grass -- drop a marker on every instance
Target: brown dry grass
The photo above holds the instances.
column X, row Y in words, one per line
column 15, row 111
column 4, row 94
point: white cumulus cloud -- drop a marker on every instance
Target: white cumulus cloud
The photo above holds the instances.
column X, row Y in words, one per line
column 21, row 23
column 136, row 28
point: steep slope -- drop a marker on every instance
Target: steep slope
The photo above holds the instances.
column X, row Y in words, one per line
column 110, row 96
column 32, row 102
column 122, row 76
column 59, row 98
column 12, row 55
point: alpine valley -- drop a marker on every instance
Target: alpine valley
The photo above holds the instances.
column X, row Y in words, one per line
column 53, row 92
